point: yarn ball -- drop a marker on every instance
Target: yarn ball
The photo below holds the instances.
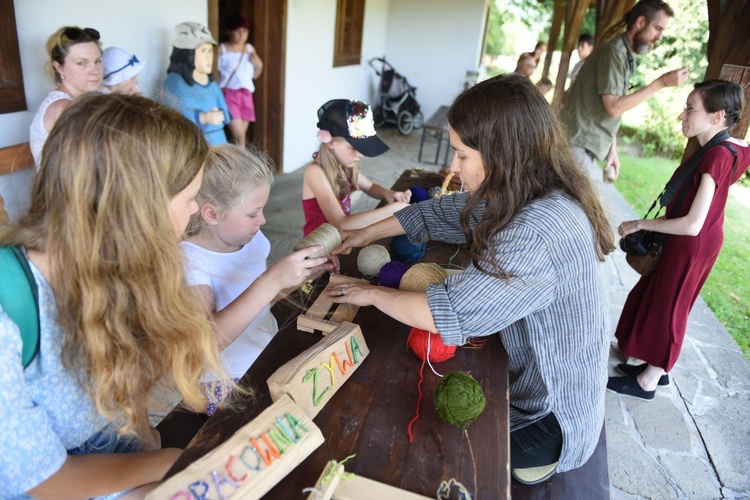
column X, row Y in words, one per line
column 420, row 276
column 391, row 273
column 403, row 251
column 326, row 235
column 418, row 194
column 434, row 192
column 438, row 351
column 459, row 399
column 371, row 259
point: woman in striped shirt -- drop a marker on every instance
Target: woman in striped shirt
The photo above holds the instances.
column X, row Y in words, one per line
column 537, row 236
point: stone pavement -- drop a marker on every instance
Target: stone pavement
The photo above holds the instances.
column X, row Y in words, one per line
column 691, row 441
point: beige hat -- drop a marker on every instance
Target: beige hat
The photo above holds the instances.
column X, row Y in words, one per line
column 192, row 35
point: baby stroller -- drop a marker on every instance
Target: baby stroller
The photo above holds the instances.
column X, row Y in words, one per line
column 398, row 103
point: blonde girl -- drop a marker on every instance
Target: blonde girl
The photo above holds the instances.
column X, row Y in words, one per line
column 226, row 256
column 347, row 133
column 115, row 190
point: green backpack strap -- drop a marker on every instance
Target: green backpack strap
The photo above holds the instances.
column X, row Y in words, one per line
column 20, row 299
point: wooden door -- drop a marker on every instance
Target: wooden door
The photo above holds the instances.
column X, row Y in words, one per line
column 268, row 36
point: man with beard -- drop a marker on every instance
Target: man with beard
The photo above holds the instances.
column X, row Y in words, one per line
column 599, row 96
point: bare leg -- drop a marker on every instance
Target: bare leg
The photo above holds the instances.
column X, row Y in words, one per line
column 649, row 379
column 239, row 131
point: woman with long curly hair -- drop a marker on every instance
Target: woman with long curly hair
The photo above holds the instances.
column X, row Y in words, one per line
column 115, row 190
column 537, row 235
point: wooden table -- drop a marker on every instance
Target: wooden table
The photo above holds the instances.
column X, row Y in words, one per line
column 369, row 415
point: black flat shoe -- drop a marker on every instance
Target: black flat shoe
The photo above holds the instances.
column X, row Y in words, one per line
column 628, row 386
column 633, row 371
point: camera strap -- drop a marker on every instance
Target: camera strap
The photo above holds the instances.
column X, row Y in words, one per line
column 687, row 171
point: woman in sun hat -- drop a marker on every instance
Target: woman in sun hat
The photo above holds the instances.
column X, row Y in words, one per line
column 121, row 71
column 346, row 134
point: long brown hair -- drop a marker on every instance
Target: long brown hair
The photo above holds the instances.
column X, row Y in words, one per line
column 525, row 156
column 100, row 212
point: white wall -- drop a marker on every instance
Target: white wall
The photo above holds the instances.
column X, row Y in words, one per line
column 311, row 79
column 142, row 27
column 433, row 43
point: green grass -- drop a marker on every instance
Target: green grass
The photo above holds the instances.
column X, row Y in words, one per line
column 727, row 290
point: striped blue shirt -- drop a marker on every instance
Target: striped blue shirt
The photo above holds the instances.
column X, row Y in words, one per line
column 552, row 315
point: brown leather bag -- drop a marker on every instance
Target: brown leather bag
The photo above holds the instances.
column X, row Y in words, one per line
column 645, row 264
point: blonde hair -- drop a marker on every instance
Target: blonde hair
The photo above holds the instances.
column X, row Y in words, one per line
column 229, row 173
column 332, row 168
column 100, row 212
column 57, row 48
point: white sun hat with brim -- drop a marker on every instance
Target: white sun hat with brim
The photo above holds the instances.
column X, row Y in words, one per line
column 119, row 66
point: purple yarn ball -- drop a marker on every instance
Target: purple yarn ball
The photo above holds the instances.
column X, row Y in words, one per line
column 418, row 194
column 391, row 273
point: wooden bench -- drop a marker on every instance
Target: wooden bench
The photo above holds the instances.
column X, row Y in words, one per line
column 434, row 129
column 13, row 159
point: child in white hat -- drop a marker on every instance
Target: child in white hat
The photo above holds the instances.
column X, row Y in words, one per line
column 121, row 71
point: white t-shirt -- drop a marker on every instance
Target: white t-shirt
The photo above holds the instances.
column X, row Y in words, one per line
column 228, row 275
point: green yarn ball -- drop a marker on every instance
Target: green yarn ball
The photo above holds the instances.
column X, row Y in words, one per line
column 459, row 399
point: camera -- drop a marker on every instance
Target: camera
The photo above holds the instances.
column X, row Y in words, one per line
column 638, row 242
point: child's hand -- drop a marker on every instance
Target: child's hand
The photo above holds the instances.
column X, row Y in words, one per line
column 296, row 268
column 397, row 196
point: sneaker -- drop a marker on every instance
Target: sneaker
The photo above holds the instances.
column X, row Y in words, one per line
column 628, row 386
column 633, row 371
column 534, row 475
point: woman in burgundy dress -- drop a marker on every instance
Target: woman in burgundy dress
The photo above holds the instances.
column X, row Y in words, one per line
column 653, row 321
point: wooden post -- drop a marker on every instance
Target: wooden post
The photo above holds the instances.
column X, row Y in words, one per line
column 252, row 461
column 312, row 378
column 573, row 22
column 554, row 33
column 610, row 12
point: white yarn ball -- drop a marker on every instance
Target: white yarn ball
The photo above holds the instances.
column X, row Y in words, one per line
column 371, row 258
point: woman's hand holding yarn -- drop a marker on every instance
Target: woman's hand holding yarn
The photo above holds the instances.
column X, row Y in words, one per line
column 353, row 238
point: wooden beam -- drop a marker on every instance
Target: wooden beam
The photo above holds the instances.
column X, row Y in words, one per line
column 573, row 22
column 554, row 33
column 610, row 12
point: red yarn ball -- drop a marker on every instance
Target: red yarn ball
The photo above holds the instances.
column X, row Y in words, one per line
column 438, row 351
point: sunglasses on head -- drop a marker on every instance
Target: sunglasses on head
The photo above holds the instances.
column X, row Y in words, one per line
column 78, row 33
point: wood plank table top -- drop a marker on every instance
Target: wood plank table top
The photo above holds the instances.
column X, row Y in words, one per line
column 369, row 415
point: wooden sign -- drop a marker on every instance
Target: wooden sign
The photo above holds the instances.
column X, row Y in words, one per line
column 252, row 461
column 314, row 318
column 337, row 484
column 312, row 378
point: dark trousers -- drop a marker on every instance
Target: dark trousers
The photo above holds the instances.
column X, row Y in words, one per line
column 537, row 444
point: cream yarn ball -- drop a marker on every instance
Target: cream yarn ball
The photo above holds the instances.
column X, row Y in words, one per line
column 371, row 258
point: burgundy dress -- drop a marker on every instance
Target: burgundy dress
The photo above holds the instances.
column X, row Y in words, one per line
column 653, row 322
